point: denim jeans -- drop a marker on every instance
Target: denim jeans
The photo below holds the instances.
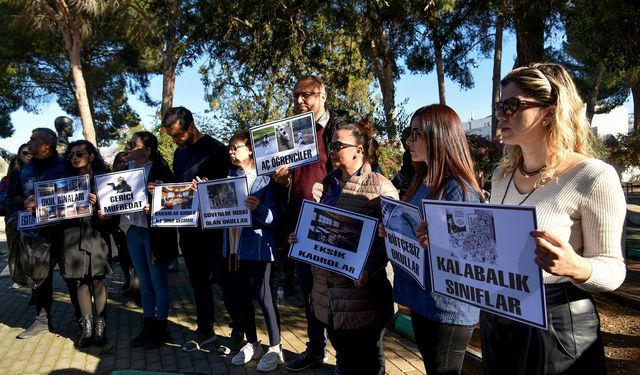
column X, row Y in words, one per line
column 154, row 283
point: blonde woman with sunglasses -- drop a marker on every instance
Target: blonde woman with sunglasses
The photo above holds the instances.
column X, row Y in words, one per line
column 580, row 208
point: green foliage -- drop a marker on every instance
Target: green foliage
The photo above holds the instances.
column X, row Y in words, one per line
column 264, row 48
column 390, row 159
column 621, row 151
column 113, row 65
column 485, row 153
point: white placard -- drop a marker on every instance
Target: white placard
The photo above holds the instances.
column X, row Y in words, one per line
column 26, row 220
column 334, row 239
column 290, row 141
column 63, row 198
column 222, row 203
column 121, row 192
column 403, row 249
column 483, row 254
column 174, row 205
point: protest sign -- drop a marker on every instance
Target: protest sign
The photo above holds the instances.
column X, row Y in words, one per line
column 334, row 239
column 122, row 192
column 403, row 248
column 222, row 203
column 26, row 220
column 64, row 198
column 483, row 254
column 290, row 141
column 174, row 205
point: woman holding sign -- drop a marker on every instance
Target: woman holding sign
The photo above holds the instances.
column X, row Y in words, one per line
column 580, row 209
column 151, row 249
column 250, row 252
column 84, row 262
column 444, row 170
column 355, row 312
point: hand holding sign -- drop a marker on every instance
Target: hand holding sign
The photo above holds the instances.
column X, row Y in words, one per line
column 252, row 202
column 558, row 257
column 30, row 203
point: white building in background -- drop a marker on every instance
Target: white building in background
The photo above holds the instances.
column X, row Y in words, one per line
column 612, row 123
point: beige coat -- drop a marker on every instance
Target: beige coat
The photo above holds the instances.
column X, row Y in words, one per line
column 337, row 302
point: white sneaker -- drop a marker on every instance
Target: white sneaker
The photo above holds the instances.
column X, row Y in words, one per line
column 271, row 360
column 247, row 353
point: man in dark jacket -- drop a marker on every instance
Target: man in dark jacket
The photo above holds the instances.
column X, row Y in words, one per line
column 309, row 95
column 200, row 156
column 45, row 165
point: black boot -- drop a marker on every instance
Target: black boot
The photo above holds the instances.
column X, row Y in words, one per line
column 100, row 331
column 143, row 336
column 158, row 336
column 87, row 331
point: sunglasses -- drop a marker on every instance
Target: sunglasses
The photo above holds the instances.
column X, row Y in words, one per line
column 304, row 95
column 24, row 153
column 79, row 154
column 236, row 147
column 337, row 146
column 511, row 106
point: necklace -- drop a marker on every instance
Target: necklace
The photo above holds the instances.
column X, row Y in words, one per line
column 528, row 174
column 509, row 185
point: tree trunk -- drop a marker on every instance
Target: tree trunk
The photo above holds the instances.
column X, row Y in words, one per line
column 169, row 67
column 497, row 64
column 71, row 33
column 439, row 70
column 383, row 69
column 594, row 92
column 169, row 61
column 635, row 92
column 529, row 23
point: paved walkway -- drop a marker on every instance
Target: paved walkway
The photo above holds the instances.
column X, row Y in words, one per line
column 55, row 352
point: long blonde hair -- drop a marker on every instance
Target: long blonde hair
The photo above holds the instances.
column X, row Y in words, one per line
column 568, row 131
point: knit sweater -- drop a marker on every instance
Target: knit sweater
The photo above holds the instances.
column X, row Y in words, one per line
column 584, row 206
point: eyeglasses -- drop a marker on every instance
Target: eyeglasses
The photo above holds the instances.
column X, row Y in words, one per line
column 304, row 95
column 24, row 153
column 233, row 148
column 511, row 106
column 79, row 154
column 337, row 146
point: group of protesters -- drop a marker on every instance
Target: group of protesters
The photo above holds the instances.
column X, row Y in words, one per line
column 547, row 163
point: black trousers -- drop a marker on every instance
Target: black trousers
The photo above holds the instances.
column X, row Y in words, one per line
column 202, row 252
column 252, row 280
column 359, row 351
column 443, row 346
column 572, row 345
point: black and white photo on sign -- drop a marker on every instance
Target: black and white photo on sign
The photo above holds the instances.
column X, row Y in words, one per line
column 122, row 192
column 335, row 229
column 174, row 205
column 288, row 142
column 63, row 198
column 482, row 254
column 402, row 246
column 222, row 203
column 334, row 239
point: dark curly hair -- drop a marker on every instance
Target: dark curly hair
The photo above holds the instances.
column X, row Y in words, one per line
column 98, row 165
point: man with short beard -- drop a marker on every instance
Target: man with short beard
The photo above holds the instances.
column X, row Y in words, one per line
column 197, row 157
